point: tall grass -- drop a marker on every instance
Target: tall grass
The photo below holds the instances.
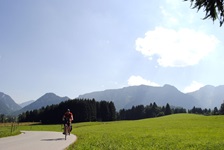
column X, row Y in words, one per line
column 8, row 129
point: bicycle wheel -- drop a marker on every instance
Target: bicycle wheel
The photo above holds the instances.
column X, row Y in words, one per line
column 66, row 131
column 69, row 130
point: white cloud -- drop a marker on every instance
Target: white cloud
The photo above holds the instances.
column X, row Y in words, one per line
column 138, row 80
column 184, row 47
column 193, row 87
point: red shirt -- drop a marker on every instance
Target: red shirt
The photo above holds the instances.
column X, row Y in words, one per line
column 68, row 115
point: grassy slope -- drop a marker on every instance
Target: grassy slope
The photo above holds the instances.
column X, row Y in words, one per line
column 184, row 131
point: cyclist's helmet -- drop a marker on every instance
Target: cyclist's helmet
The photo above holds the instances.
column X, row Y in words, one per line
column 68, row 110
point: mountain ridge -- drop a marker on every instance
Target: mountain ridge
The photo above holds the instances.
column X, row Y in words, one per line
column 143, row 95
column 206, row 97
column 7, row 104
column 210, row 96
column 43, row 101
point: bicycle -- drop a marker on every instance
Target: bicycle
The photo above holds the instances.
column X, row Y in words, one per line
column 67, row 128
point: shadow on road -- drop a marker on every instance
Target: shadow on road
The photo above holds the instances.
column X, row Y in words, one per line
column 57, row 139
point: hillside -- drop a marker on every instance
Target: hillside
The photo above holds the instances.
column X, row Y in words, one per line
column 7, row 104
column 47, row 99
column 136, row 95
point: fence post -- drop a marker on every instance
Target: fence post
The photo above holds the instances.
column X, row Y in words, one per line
column 11, row 128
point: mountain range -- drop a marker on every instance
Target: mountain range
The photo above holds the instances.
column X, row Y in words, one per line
column 209, row 96
column 206, row 97
column 144, row 95
column 46, row 99
column 8, row 105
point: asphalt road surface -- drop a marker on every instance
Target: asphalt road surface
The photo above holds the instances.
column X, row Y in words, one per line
column 37, row 140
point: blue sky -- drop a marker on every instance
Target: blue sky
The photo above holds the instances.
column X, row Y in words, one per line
column 75, row 47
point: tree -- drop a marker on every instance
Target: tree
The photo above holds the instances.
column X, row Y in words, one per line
column 167, row 110
column 215, row 111
column 2, row 118
column 221, row 110
column 112, row 110
column 104, row 111
column 213, row 9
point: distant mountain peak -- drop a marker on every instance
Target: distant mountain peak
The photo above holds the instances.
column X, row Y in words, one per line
column 7, row 104
column 49, row 94
column 168, row 85
column 43, row 101
column 208, row 86
column 205, row 88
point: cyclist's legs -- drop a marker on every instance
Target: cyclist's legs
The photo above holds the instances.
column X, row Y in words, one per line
column 65, row 126
column 69, row 126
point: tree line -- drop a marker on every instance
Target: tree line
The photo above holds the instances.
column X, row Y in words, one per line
column 215, row 111
column 84, row 110
column 152, row 110
column 149, row 111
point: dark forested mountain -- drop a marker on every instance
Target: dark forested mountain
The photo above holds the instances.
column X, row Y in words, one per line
column 7, row 104
column 209, row 96
column 137, row 95
column 47, row 99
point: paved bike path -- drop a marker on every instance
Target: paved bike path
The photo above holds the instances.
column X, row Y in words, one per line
column 37, row 140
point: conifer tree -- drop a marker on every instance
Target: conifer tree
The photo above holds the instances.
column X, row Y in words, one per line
column 167, row 110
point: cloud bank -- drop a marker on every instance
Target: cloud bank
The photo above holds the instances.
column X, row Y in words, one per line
column 176, row 48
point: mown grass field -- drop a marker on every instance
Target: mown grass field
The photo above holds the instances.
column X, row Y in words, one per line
column 174, row 132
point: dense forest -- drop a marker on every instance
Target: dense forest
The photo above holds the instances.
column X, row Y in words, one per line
column 85, row 110
column 152, row 110
column 149, row 111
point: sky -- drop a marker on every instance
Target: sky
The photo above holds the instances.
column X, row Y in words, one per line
column 75, row 47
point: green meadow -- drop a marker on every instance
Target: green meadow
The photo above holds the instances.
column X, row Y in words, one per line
column 173, row 132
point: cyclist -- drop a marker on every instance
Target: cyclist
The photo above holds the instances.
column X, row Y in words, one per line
column 67, row 119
